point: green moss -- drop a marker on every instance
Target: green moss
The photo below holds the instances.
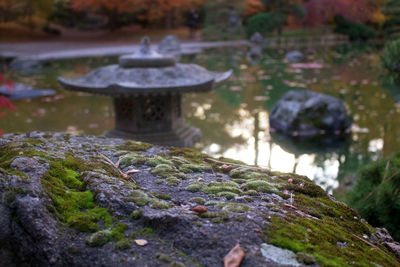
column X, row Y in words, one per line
column 198, row 223
column 304, row 186
column 252, row 192
column 71, row 203
column 153, row 162
column 163, row 257
column 228, row 160
column 162, row 205
column 305, row 258
column 194, row 187
column 118, row 232
column 198, row 200
column 99, row 238
column 13, row 172
column 19, row 149
column 159, row 181
column 218, row 216
column 260, row 186
column 136, row 214
column 177, row 264
column 132, row 159
column 147, row 232
column 212, row 203
column 178, row 161
column 319, row 238
column 239, row 181
column 123, row 244
column 173, row 181
column 134, row 146
column 214, row 188
column 188, row 168
column 161, row 196
column 164, row 170
column 234, row 207
column 189, row 154
column 249, row 173
column 228, row 195
column 139, row 197
column 10, row 193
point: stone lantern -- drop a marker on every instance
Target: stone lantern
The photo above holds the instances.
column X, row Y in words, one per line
column 147, row 89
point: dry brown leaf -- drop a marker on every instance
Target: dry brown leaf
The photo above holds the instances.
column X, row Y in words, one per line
column 132, row 171
column 234, row 257
column 199, row 209
column 141, row 242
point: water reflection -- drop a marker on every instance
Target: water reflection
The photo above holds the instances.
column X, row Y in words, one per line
column 234, row 119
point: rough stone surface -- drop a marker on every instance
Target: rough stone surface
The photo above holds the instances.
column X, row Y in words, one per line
column 278, row 255
column 305, row 113
column 22, row 91
column 39, row 175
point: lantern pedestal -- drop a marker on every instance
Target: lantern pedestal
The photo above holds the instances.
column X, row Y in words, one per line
column 183, row 136
column 155, row 119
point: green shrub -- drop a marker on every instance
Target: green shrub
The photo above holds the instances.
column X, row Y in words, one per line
column 390, row 59
column 376, row 194
column 265, row 23
column 356, row 32
column 391, row 27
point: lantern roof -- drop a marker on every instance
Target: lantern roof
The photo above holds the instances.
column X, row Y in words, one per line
column 146, row 72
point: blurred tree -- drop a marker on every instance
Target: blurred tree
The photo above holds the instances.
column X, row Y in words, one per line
column 358, row 11
column 283, row 9
column 253, row 7
column 110, row 9
column 144, row 11
column 391, row 26
column 13, row 10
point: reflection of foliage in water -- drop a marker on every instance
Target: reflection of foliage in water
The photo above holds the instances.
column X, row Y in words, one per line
column 235, row 118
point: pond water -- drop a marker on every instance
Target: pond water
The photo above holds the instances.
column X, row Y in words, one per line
column 234, row 118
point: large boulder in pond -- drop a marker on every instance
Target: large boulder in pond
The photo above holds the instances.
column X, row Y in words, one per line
column 305, row 113
column 68, row 200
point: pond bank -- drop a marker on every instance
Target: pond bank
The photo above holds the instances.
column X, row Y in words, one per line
column 52, row 50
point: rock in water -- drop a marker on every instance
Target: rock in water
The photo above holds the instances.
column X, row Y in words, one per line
column 63, row 202
column 294, row 56
column 305, row 113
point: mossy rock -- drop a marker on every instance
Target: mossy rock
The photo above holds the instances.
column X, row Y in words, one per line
column 86, row 204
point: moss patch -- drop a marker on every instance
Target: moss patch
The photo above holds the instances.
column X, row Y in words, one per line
column 189, row 154
column 72, row 203
column 134, row 146
column 319, row 238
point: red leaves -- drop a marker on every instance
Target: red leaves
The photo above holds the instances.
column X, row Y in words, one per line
column 234, row 257
column 4, row 101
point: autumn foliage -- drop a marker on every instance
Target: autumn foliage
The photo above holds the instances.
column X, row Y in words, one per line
column 149, row 10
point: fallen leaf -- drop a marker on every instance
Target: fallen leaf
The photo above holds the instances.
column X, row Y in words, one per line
column 200, row 209
column 132, row 171
column 234, row 257
column 141, row 242
column 226, row 168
